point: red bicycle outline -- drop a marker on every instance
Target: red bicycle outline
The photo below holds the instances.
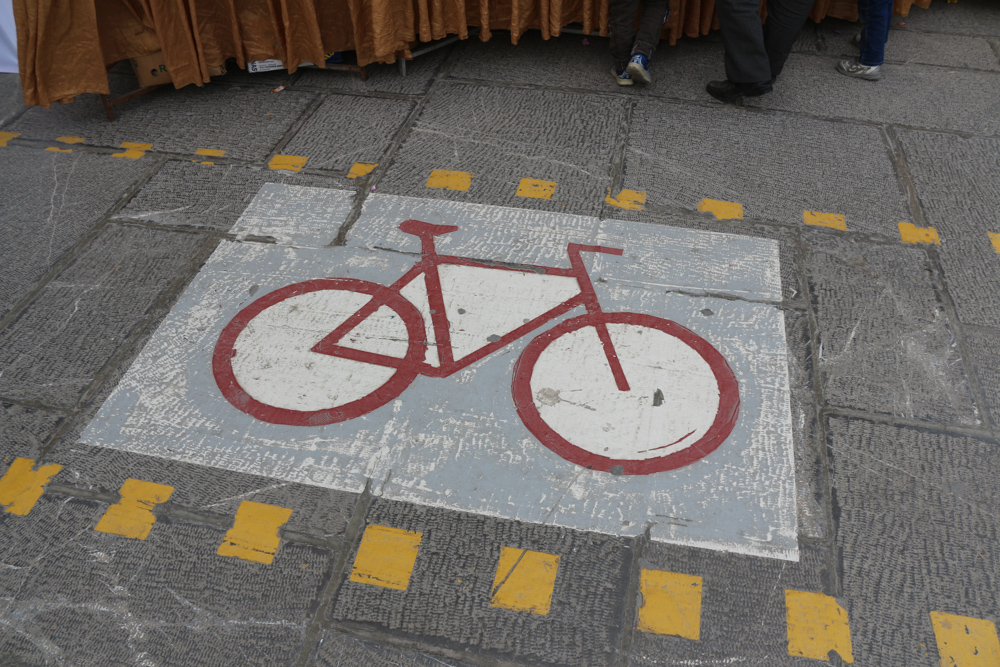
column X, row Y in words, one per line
column 413, row 362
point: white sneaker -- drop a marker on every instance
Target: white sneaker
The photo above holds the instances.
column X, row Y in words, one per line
column 856, row 70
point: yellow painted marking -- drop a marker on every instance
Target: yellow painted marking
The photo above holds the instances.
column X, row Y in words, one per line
column 133, row 515
column 7, row 136
column 59, row 150
column 630, row 200
column 21, row 486
column 965, row 642
column 386, row 557
column 359, row 169
column 524, row 580
column 133, row 150
column 288, row 162
column 831, row 220
column 722, row 210
column 535, row 189
column 671, row 604
column 254, row 535
column 995, row 240
column 817, row 625
column 210, row 152
column 910, row 233
column 70, row 140
column 450, row 180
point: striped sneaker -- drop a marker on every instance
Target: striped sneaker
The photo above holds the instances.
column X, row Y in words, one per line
column 622, row 76
column 638, row 67
column 856, row 70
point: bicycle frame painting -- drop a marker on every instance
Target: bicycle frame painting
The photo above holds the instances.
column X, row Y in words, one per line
column 675, row 389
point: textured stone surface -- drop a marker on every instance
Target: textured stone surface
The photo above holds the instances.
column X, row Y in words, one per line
column 885, row 343
column 449, row 591
column 917, row 532
column 984, row 348
column 742, row 607
column 956, row 181
column 381, row 78
column 71, row 594
column 48, row 202
column 209, row 196
column 964, row 100
column 246, row 122
column 969, row 17
column 11, row 97
column 23, row 432
column 346, row 129
column 679, row 154
column 63, row 339
column 339, row 650
column 502, row 136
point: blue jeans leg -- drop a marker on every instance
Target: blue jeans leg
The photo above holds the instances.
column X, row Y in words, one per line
column 877, row 17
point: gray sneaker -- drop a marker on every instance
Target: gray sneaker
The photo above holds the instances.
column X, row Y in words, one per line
column 855, row 69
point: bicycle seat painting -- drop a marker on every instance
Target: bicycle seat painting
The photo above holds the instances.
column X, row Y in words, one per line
column 618, row 392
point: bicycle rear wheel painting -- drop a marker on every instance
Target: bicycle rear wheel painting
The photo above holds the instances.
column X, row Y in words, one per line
column 619, row 392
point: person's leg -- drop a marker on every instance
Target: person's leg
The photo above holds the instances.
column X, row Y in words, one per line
column 622, row 33
column 743, row 39
column 785, row 19
column 875, row 31
column 654, row 15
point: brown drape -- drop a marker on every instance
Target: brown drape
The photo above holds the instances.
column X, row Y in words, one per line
column 65, row 46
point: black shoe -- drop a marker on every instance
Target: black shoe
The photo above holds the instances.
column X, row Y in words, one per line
column 727, row 91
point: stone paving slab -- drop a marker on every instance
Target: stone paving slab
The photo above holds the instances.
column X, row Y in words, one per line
column 346, row 129
column 55, row 349
column 884, row 339
column 776, row 168
column 381, row 78
column 48, row 203
column 246, row 122
column 964, row 100
column 917, row 532
column 510, row 135
column 956, row 181
column 984, row 348
column 742, row 607
column 448, row 597
column 24, row 431
column 168, row 599
column 338, row 650
column 213, row 197
column 969, row 17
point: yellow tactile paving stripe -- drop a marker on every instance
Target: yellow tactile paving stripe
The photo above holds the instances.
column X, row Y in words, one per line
column 442, row 179
column 671, row 604
column 59, row 150
column 910, row 233
column 133, row 150
column 133, row 515
column 254, row 535
column 359, row 169
column 533, row 188
column 7, row 136
column 386, row 557
column 630, row 200
column 288, row 162
column 70, row 140
column 995, row 240
column 722, row 210
column 831, row 220
column 524, row 580
column 963, row 641
column 23, row 484
column 816, row 625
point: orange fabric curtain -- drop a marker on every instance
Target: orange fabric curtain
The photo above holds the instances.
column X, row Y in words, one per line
column 65, row 46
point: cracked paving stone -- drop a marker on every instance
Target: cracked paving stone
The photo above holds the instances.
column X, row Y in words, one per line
column 885, row 344
column 210, row 196
column 679, row 155
column 69, row 593
column 916, row 514
column 984, row 348
column 340, row 650
column 742, row 606
column 48, row 203
column 23, row 432
column 246, row 122
column 59, row 344
column 956, row 181
column 447, row 601
column 501, row 136
column 346, row 129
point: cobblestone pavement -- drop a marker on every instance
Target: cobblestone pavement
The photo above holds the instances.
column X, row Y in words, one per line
column 837, row 240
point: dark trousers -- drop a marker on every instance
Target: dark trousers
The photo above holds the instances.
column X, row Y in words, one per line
column 756, row 52
column 877, row 17
column 626, row 41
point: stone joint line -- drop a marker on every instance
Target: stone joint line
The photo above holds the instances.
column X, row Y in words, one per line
column 529, row 188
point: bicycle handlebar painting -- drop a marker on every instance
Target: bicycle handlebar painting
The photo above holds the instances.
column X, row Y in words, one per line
column 619, row 392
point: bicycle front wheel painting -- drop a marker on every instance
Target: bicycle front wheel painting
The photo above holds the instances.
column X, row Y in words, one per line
column 681, row 404
column 265, row 365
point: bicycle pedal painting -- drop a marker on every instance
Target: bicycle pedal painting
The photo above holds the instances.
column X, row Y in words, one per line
column 611, row 376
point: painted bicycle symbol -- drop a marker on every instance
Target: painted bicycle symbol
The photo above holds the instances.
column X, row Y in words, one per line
column 618, row 392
